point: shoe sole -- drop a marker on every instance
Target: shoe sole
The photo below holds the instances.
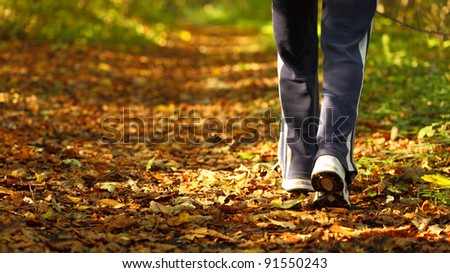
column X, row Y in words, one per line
column 332, row 187
column 300, row 191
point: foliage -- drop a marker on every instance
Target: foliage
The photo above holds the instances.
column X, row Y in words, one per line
column 123, row 21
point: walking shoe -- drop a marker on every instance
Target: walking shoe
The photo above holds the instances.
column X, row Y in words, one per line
column 297, row 185
column 328, row 180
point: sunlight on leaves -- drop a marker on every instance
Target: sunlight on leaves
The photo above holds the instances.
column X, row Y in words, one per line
column 427, row 131
column 244, row 155
column 110, row 203
column 437, row 179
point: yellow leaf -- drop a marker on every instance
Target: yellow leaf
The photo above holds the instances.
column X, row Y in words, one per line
column 276, row 203
column 192, row 237
column 73, row 199
column 437, row 179
column 41, row 177
column 238, row 177
column 82, row 207
column 182, row 218
column 104, row 67
column 110, row 203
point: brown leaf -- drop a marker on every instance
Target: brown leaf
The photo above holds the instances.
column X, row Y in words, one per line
column 435, row 229
column 345, row 231
column 283, row 224
column 294, row 238
column 410, row 174
column 110, row 203
column 120, row 221
column 21, row 172
column 209, row 232
column 421, row 221
column 170, row 210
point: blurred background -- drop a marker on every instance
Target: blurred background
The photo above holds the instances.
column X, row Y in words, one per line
column 407, row 71
column 83, row 21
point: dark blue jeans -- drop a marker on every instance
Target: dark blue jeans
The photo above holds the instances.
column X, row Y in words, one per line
column 309, row 129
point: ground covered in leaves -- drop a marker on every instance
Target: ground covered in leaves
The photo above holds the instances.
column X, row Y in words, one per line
column 173, row 149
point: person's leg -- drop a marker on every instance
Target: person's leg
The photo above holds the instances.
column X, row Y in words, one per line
column 295, row 31
column 346, row 28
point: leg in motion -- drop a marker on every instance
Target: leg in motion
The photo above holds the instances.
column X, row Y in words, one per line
column 346, row 27
column 295, row 30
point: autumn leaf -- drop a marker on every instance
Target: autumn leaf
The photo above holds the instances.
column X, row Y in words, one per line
column 110, row 203
column 120, row 221
column 171, row 210
column 107, row 186
column 48, row 214
column 202, row 232
column 290, row 204
column 427, row 131
column 244, row 155
column 55, row 204
column 421, row 222
column 40, row 177
column 283, row 224
column 72, row 162
column 437, row 179
column 180, row 219
column 73, row 199
column 149, row 164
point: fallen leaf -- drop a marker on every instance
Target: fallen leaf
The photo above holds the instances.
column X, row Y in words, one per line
column 246, row 156
column 283, row 224
column 345, row 231
column 73, row 199
column 410, row 174
column 421, row 222
column 290, row 204
column 149, row 164
column 276, row 203
column 110, row 203
column 170, row 210
column 192, row 237
column 42, row 176
column 238, row 177
column 427, row 131
column 435, row 229
column 210, row 232
column 55, row 204
column 107, row 186
column 48, row 214
column 294, row 238
column 120, row 221
column 19, row 173
column 72, row 162
column 180, row 219
column 437, row 179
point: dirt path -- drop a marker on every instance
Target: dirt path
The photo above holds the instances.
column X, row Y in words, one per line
column 187, row 158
